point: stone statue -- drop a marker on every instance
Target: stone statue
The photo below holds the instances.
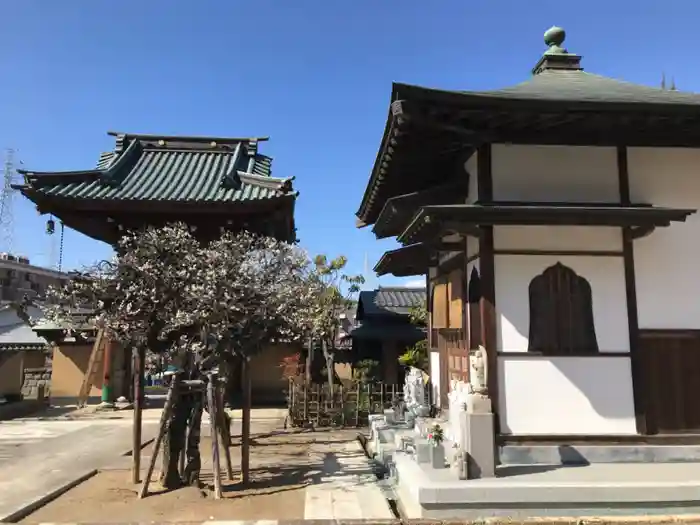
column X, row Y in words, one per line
column 478, row 369
column 478, row 400
column 457, row 399
column 414, row 393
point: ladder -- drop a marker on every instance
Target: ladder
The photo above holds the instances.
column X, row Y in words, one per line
column 95, row 366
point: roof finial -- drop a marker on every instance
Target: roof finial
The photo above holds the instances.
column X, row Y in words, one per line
column 554, row 37
column 556, row 57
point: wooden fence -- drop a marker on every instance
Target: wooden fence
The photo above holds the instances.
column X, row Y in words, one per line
column 350, row 405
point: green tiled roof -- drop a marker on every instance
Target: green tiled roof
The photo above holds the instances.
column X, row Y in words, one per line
column 389, row 301
column 159, row 168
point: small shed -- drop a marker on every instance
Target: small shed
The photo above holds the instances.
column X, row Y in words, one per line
column 22, row 353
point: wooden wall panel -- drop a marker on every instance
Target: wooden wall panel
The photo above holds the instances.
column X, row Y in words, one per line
column 440, row 310
column 455, row 295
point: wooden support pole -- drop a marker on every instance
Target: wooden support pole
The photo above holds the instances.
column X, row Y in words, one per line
column 225, row 430
column 213, row 416
column 245, row 423
column 164, row 418
column 139, row 365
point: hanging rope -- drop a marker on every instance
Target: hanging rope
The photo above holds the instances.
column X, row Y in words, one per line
column 60, row 248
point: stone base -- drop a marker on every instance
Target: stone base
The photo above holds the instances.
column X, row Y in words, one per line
column 591, row 454
column 479, row 444
column 554, row 492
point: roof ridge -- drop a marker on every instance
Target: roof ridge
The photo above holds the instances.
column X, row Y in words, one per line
column 268, row 182
column 186, row 138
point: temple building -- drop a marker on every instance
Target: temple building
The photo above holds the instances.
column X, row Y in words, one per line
column 555, row 223
column 210, row 183
column 384, row 329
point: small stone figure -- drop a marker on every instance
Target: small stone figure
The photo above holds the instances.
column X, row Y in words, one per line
column 460, row 463
column 478, row 371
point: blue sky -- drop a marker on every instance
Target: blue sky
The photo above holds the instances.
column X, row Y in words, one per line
column 314, row 75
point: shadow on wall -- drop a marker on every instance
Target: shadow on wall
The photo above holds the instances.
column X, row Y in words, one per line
column 596, row 377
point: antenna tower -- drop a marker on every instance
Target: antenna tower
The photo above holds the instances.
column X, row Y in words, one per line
column 6, row 215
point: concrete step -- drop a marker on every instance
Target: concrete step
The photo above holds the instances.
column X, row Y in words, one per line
column 591, row 454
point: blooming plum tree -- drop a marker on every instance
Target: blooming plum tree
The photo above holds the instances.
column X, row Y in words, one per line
column 203, row 304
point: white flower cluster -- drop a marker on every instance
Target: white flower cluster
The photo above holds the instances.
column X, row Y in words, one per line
column 166, row 290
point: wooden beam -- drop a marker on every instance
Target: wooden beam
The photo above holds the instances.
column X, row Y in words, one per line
column 487, row 303
column 640, row 409
column 641, row 231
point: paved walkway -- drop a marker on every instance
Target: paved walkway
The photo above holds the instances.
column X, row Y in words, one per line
column 347, row 488
column 43, row 456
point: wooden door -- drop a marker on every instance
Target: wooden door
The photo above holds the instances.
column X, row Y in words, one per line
column 669, row 366
column 454, row 360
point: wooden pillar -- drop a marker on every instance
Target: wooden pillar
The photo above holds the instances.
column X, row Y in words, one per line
column 108, row 371
column 245, row 420
column 631, row 295
column 487, row 303
column 139, row 366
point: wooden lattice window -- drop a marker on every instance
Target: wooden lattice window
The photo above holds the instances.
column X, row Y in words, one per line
column 561, row 313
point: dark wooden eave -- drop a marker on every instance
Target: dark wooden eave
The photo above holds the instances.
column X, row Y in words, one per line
column 414, row 259
column 430, row 131
column 431, row 222
column 405, row 262
column 207, row 182
column 398, row 211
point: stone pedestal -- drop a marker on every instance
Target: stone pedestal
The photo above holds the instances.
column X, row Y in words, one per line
column 479, row 444
column 438, row 456
column 424, row 451
column 390, row 416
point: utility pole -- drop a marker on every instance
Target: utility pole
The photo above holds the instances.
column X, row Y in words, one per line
column 6, row 204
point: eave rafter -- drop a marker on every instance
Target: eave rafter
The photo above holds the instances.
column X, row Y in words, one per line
column 414, row 259
column 408, row 152
column 399, row 210
column 432, row 222
column 462, row 120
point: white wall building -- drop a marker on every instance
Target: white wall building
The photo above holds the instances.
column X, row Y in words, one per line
column 556, row 223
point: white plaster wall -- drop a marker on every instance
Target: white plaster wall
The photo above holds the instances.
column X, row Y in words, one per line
column 561, row 238
column 667, row 262
column 565, row 395
column 562, row 395
column 471, row 167
column 554, row 173
column 472, row 247
column 605, row 275
column 435, row 377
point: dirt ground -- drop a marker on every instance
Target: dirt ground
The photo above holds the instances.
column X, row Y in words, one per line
column 280, row 469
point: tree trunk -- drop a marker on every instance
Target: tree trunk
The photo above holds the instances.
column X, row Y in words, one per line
column 186, row 412
column 309, row 359
column 245, row 422
column 329, row 367
column 193, row 464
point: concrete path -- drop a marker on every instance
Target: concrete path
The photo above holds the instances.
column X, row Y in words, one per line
column 347, row 488
column 44, row 456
